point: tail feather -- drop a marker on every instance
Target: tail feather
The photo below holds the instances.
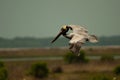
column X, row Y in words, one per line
column 93, row 39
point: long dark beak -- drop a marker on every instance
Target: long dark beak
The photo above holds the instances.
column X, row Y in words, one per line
column 60, row 33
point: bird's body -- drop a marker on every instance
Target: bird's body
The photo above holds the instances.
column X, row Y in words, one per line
column 78, row 36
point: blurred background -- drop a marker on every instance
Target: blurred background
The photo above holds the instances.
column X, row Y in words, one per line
column 28, row 26
column 36, row 20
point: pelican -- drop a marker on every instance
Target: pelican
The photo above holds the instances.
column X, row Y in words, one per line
column 78, row 37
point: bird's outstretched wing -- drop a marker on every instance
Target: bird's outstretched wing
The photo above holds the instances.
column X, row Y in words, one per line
column 79, row 29
column 77, row 38
column 83, row 34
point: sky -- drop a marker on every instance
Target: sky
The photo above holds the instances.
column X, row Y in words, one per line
column 44, row 18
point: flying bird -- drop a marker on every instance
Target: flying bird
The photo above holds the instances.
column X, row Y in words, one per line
column 78, row 37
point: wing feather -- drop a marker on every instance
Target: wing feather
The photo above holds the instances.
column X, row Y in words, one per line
column 79, row 29
column 77, row 38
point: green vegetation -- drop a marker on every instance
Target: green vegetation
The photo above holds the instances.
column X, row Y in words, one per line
column 100, row 78
column 107, row 58
column 58, row 69
column 117, row 70
column 72, row 58
column 3, row 72
column 1, row 64
column 39, row 70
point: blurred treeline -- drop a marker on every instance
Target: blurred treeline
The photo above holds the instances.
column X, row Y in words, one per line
column 31, row 42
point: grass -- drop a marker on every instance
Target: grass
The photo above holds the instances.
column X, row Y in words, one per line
column 56, row 52
column 89, row 71
column 70, row 71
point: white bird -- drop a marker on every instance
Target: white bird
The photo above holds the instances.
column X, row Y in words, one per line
column 78, row 37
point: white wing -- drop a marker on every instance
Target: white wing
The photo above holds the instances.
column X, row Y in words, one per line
column 77, row 38
column 79, row 30
column 82, row 34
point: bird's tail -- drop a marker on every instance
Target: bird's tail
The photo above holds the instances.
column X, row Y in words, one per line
column 93, row 39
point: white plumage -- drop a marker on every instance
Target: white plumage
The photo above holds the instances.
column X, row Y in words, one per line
column 78, row 37
column 80, row 34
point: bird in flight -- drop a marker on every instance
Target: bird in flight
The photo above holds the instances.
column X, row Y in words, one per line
column 78, row 37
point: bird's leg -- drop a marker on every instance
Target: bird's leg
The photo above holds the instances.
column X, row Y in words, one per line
column 71, row 46
column 77, row 47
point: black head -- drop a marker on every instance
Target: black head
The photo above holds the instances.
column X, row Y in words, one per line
column 63, row 31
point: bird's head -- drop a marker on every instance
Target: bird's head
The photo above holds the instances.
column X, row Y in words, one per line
column 64, row 27
column 63, row 31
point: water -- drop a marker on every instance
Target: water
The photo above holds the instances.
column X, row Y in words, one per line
column 48, row 58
